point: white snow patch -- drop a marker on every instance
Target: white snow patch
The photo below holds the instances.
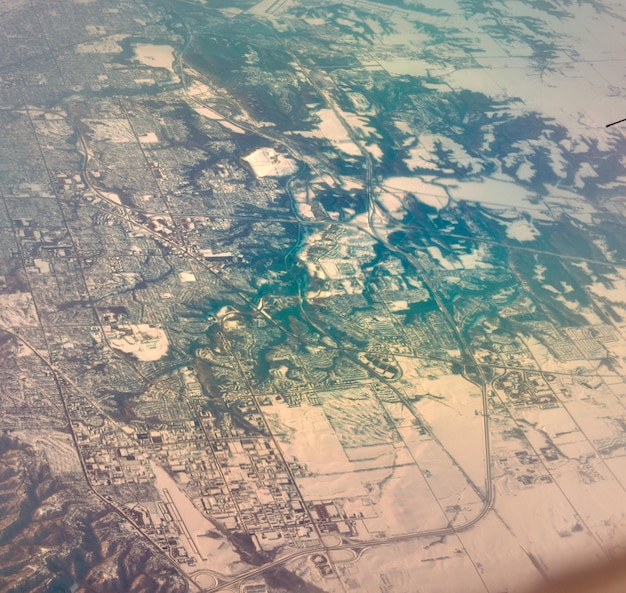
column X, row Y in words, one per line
column 145, row 342
column 155, row 56
column 17, row 310
column 428, row 193
column 187, row 277
column 149, row 138
column 266, row 162
column 331, row 128
column 521, row 230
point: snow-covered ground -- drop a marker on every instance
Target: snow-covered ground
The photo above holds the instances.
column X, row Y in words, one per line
column 156, row 56
column 266, row 162
column 144, row 341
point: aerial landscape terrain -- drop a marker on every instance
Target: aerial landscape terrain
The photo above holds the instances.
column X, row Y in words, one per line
column 311, row 296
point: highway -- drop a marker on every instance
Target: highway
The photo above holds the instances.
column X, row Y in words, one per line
column 488, row 496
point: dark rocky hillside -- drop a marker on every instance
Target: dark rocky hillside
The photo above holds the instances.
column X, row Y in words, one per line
column 54, row 535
